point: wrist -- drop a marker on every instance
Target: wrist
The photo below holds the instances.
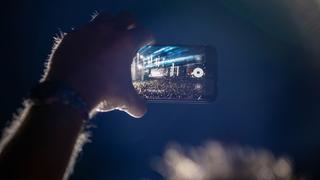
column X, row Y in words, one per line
column 49, row 92
column 81, row 87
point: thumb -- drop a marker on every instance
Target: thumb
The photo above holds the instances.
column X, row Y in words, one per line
column 133, row 104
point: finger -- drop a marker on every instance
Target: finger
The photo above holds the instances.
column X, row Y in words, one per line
column 141, row 37
column 135, row 39
column 133, row 104
column 124, row 21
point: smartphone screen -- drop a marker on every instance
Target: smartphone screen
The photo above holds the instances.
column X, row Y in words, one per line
column 175, row 73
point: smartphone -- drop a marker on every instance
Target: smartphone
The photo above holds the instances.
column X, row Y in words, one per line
column 175, row 73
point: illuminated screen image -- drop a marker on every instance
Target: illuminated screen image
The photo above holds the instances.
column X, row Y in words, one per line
column 171, row 73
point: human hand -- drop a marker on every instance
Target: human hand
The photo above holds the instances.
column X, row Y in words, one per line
column 95, row 61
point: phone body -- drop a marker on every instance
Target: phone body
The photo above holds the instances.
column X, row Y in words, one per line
column 175, row 73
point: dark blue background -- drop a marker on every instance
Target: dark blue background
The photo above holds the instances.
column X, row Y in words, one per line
column 266, row 94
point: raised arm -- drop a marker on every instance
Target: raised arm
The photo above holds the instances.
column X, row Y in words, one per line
column 87, row 66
